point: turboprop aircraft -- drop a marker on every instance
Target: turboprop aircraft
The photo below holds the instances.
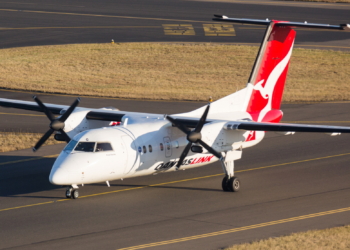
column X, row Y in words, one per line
column 107, row 144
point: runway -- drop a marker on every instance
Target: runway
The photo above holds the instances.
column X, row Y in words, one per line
column 289, row 183
column 32, row 23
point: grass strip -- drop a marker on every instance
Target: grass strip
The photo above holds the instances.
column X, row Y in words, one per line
column 16, row 141
column 166, row 71
column 334, row 238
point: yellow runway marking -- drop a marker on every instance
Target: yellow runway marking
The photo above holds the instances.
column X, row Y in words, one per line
column 219, row 30
column 30, row 159
column 161, row 184
column 19, row 114
column 83, row 27
column 179, row 29
column 97, row 15
column 294, row 162
column 91, row 96
column 239, row 229
column 31, row 205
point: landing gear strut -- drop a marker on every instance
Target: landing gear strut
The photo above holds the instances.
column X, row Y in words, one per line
column 72, row 193
column 231, row 184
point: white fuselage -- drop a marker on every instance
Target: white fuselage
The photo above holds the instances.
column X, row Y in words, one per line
column 144, row 144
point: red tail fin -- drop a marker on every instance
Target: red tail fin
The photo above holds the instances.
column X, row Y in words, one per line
column 269, row 74
column 266, row 82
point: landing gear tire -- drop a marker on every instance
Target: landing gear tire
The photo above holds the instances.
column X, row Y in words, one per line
column 234, row 184
column 75, row 194
column 69, row 192
column 225, row 184
column 231, row 185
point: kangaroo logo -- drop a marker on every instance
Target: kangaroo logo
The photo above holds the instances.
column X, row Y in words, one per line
column 267, row 91
column 263, row 91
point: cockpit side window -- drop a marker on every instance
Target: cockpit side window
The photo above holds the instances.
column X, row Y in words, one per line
column 103, row 146
column 85, row 146
column 70, row 146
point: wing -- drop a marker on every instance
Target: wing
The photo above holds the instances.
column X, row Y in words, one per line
column 283, row 127
column 93, row 114
column 33, row 106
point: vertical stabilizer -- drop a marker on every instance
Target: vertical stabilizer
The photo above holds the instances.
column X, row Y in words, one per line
column 268, row 77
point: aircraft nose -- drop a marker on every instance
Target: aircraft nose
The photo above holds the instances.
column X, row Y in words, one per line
column 57, row 178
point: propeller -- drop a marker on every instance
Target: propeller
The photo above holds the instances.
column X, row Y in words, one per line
column 57, row 124
column 193, row 136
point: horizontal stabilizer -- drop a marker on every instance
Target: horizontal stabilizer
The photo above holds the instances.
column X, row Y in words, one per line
column 284, row 127
column 305, row 24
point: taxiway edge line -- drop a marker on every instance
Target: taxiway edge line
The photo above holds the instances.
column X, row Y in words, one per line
column 239, row 229
column 165, row 183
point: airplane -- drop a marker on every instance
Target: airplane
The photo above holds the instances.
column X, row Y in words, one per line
column 108, row 144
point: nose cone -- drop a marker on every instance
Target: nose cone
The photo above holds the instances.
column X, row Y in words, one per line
column 64, row 171
column 58, row 177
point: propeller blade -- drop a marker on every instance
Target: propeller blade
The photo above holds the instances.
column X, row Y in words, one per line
column 210, row 149
column 66, row 137
column 177, row 124
column 64, row 117
column 44, row 108
column 183, row 155
column 202, row 120
column 43, row 139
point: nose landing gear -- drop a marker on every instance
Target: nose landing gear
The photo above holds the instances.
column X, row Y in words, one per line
column 72, row 193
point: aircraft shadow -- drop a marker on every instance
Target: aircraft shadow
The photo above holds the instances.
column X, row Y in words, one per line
column 165, row 187
column 24, row 174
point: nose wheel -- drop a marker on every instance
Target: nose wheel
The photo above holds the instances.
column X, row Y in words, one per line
column 232, row 184
column 72, row 193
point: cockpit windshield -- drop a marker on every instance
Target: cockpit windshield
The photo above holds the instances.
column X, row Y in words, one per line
column 85, row 146
column 103, row 146
column 70, row 146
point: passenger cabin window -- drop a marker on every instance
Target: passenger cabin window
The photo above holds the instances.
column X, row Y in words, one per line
column 103, row 146
column 70, row 146
column 150, row 148
column 85, row 146
column 144, row 149
column 161, row 147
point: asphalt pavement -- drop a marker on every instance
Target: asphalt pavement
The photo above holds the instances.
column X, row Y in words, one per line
column 36, row 22
column 289, row 183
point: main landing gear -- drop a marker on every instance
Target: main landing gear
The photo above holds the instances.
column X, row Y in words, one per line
column 72, row 193
column 230, row 183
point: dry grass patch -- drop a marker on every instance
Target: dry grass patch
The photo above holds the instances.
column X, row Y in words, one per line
column 17, row 141
column 166, row 71
column 329, row 239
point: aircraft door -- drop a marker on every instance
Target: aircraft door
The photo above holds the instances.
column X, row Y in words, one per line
column 131, row 152
column 167, row 145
